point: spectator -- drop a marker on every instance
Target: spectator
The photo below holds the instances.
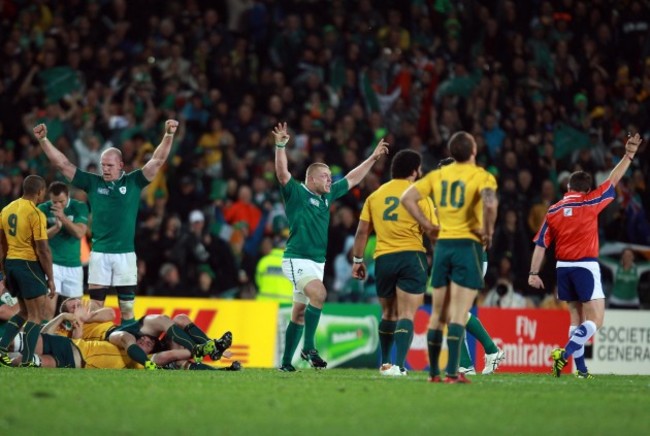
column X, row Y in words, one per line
column 624, row 293
column 503, row 295
column 170, row 281
column 243, row 209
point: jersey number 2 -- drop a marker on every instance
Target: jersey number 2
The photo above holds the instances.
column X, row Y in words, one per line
column 456, row 194
column 392, row 203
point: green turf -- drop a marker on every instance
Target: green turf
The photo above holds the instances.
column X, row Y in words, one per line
column 332, row 402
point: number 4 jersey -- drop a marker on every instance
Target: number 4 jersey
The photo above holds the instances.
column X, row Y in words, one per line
column 396, row 229
column 456, row 192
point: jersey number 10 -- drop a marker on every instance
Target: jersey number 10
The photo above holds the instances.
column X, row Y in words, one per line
column 453, row 195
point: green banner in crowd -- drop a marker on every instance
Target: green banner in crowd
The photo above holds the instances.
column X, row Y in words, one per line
column 346, row 337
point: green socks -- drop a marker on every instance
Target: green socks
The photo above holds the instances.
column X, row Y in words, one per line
column 32, row 331
column 197, row 335
column 476, row 329
column 386, row 336
column 291, row 341
column 403, row 338
column 312, row 316
column 465, row 358
column 12, row 328
column 434, row 345
column 137, row 354
column 455, row 338
column 179, row 336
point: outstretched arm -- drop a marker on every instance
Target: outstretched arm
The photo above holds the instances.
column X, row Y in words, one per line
column 160, row 154
column 281, row 137
column 57, row 158
column 631, row 146
column 355, row 176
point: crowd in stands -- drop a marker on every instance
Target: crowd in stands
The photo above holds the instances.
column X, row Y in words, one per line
column 546, row 87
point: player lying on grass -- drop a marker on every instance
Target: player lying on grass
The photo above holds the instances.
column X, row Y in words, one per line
column 98, row 325
column 56, row 351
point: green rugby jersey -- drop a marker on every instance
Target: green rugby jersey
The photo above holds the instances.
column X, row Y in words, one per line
column 309, row 217
column 114, row 206
column 626, row 284
column 66, row 249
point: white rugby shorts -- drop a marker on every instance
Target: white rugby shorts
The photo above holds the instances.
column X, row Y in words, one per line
column 69, row 280
column 300, row 272
column 113, row 269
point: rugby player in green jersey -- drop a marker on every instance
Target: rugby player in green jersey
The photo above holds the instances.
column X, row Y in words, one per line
column 308, row 211
column 67, row 222
column 114, row 198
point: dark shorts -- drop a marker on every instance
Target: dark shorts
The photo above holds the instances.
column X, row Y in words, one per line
column 133, row 328
column 579, row 281
column 458, row 261
column 60, row 348
column 25, row 278
column 406, row 270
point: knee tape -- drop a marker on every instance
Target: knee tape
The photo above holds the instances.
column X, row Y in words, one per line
column 98, row 294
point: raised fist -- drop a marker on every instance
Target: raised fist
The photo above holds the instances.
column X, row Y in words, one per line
column 40, row 131
column 632, row 144
column 171, row 126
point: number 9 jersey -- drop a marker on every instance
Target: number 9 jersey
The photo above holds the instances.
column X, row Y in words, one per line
column 22, row 223
column 456, row 192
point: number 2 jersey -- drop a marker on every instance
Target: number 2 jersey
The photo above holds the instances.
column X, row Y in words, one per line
column 395, row 227
column 456, row 193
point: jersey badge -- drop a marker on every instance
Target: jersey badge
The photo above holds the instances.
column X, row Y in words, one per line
column 567, row 211
column 122, row 190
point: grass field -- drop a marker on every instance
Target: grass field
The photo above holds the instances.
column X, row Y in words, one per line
column 331, row 402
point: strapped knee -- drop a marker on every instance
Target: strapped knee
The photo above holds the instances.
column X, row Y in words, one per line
column 126, row 297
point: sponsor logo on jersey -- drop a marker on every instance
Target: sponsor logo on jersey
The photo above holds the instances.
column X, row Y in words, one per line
column 314, row 202
column 103, row 191
column 567, row 211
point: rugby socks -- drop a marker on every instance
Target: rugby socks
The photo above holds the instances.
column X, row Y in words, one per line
column 312, row 316
column 434, row 345
column 197, row 335
column 386, row 337
column 12, row 328
column 403, row 338
column 32, row 331
column 465, row 357
column 291, row 340
column 580, row 337
column 475, row 327
column 579, row 354
column 137, row 354
column 178, row 335
column 455, row 336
